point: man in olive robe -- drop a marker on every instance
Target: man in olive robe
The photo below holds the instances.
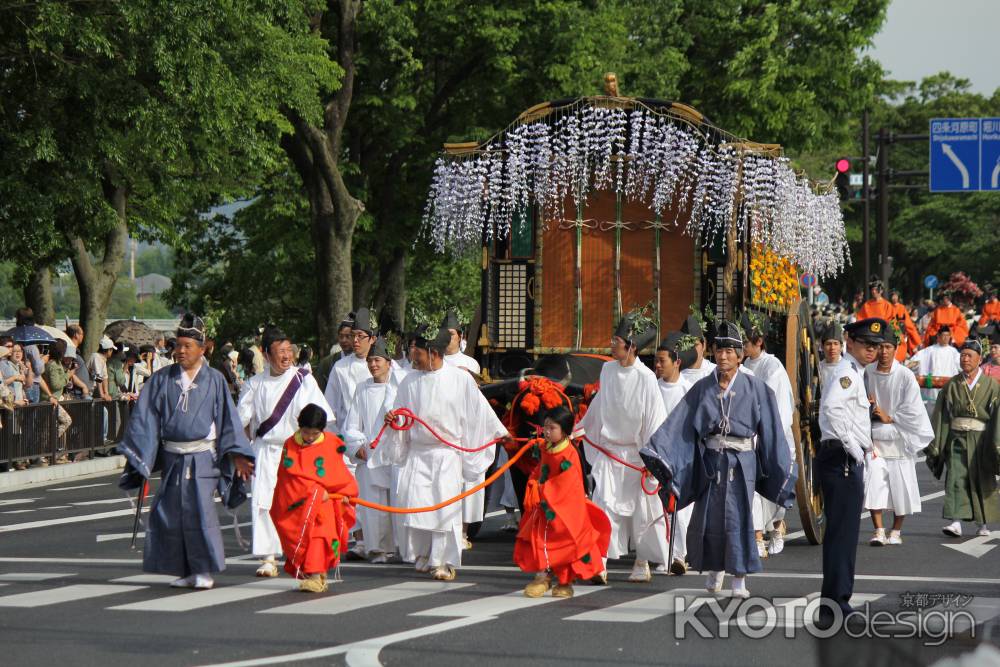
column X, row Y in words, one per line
column 966, row 445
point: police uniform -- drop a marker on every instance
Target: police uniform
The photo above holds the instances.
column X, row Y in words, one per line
column 845, row 428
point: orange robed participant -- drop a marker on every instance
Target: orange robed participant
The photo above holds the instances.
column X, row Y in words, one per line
column 910, row 334
column 876, row 306
column 991, row 310
column 312, row 526
column 947, row 313
column 562, row 533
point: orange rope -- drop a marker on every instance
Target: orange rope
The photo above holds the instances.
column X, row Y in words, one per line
column 415, row 510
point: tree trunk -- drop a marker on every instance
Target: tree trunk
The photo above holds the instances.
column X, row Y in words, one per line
column 333, row 276
column 391, row 294
column 38, row 296
column 97, row 280
column 315, row 152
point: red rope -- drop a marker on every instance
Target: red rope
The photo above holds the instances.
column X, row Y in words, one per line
column 408, row 419
column 643, row 471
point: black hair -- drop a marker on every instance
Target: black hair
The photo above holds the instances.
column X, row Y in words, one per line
column 271, row 336
column 563, row 417
column 312, row 416
column 57, row 350
column 671, row 352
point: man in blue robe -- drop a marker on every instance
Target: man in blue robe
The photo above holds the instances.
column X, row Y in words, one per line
column 186, row 426
column 723, row 441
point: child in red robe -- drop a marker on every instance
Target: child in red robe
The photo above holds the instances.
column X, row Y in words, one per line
column 562, row 533
column 312, row 526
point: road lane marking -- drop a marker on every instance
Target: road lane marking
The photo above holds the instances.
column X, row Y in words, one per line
column 338, row 604
column 104, row 501
column 498, row 604
column 977, row 547
column 34, row 576
column 64, row 594
column 17, row 501
column 645, row 608
column 864, row 515
column 365, row 653
column 81, row 486
column 17, row 511
column 66, row 519
column 109, row 537
column 212, row 597
column 146, row 579
column 375, row 644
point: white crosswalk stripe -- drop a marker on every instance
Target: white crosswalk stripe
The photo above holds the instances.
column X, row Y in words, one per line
column 646, row 608
column 34, row 576
column 64, row 594
column 345, row 602
column 497, row 604
column 210, row 598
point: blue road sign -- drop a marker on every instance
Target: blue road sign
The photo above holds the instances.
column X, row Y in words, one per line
column 808, row 280
column 989, row 154
column 930, row 282
column 954, row 154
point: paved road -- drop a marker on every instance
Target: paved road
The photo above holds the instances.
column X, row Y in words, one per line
column 71, row 592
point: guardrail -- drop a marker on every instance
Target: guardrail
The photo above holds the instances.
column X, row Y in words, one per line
column 32, row 431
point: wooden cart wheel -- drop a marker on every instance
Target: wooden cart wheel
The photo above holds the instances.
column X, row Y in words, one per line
column 802, row 363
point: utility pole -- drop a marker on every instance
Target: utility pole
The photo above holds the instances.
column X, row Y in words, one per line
column 883, row 206
column 866, row 193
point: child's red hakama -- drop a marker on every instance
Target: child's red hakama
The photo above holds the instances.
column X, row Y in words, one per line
column 313, row 531
column 561, row 530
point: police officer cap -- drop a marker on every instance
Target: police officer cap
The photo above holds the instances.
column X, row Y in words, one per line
column 870, row 330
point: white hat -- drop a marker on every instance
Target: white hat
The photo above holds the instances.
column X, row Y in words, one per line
column 105, row 344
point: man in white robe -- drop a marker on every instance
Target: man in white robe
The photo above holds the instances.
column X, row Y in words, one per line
column 626, row 411
column 258, row 409
column 351, row 368
column 700, row 367
column 473, row 506
column 938, row 360
column 900, row 430
column 673, row 386
column 448, row 399
column 768, row 517
column 373, row 398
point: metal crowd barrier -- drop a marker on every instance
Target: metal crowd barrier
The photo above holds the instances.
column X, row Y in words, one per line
column 31, row 432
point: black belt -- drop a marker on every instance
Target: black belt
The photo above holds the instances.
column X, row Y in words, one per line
column 829, row 444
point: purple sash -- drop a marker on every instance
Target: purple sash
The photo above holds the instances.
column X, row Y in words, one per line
column 283, row 403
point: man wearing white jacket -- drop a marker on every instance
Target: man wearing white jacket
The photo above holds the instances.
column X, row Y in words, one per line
column 626, row 411
column 373, row 398
column 900, row 430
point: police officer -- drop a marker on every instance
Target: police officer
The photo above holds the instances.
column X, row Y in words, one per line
column 845, row 428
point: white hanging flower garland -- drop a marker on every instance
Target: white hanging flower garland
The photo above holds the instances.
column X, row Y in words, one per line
column 645, row 155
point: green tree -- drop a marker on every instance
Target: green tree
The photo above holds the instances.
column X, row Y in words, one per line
column 127, row 116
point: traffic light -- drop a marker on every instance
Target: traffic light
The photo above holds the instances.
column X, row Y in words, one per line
column 843, row 178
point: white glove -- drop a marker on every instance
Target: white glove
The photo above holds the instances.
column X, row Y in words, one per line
column 856, row 452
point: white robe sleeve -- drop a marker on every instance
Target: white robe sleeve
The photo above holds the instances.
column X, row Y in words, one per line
column 394, row 446
column 352, row 431
column 653, row 412
column 481, row 425
column 332, row 392
column 313, row 395
column 245, row 406
column 910, row 418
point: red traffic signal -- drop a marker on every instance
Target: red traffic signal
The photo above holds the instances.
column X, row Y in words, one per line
column 843, row 165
